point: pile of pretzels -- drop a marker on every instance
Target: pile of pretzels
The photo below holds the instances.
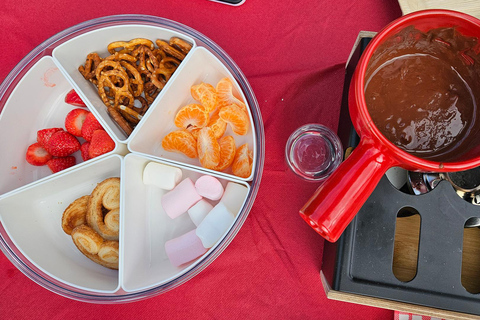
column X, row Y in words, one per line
column 135, row 70
column 93, row 223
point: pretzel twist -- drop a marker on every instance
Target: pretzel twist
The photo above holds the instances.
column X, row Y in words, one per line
column 118, row 84
column 134, row 70
column 165, row 46
column 91, row 64
column 106, row 65
column 147, row 61
column 120, row 120
column 135, row 79
column 119, row 56
column 180, row 44
column 129, row 46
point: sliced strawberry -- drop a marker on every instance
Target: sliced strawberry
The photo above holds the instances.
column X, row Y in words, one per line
column 44, row 135
column 37, row 155
column 89, row 126
column 59, row 164
column 73, row 98
column 101, row 143
column 62, row 144
column 74, row 121
column 84, row 150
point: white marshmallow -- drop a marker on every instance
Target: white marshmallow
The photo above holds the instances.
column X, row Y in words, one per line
column 234, row 197
column 215, row 224
column 184, row 248
column 209, row 187
column 180, row 199
column 199, row 211
column 161, row 175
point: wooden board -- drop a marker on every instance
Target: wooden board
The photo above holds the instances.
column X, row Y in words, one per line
column 392, row 305
column 471, row 7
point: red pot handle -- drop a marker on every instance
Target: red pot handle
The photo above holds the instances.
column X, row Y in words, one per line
column 336, row 202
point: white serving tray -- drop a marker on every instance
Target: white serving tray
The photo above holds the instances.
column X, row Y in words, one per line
column 32, row 200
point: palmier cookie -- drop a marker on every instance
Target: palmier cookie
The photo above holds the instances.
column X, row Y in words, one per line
column 94, row 247
column 75, row 214
column 110, row 190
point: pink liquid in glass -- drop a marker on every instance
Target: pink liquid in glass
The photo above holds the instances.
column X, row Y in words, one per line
column 312, row 153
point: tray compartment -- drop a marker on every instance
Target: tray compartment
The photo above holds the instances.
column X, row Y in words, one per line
column 72, row 54
column 32, row 219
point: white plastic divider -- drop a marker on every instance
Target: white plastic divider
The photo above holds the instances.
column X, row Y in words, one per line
column 146, row 227
column 37, row 102
column 32, row 219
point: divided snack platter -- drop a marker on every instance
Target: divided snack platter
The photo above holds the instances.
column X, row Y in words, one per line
column 32, row 199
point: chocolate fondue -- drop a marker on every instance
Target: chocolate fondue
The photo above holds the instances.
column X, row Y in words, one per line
column 422, row 91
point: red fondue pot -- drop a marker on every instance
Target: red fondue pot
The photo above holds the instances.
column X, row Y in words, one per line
column 340, row 197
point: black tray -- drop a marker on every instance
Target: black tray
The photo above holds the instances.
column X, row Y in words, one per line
column 364, row 253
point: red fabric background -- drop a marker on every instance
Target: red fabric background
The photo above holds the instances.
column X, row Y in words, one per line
column 293, row 54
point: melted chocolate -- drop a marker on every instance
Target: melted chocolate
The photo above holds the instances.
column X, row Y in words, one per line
column 422, row 92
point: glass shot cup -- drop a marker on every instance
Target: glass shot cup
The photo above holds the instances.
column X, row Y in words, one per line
column 313, row 152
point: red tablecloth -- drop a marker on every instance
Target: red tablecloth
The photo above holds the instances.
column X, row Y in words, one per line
column 293, row 54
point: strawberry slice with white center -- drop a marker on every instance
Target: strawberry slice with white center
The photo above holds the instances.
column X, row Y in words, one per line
column 74, row 121
column 37, row 155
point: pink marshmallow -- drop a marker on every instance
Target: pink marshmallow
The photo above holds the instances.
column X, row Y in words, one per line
column 209, row 187
column 184, row 248
column 180, row 199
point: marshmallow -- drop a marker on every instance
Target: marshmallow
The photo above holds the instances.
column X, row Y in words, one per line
column 180, row 199
column 234, row 196
column 184, row 248
column 161, row 175
column 215, row 224
column 209, row 187
column 199, row 211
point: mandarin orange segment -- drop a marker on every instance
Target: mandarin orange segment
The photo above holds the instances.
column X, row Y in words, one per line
column 191, row 115
column 236, row 118
column 242, row 163
column 206, row 94
column 227, row 152
column 225, row 95
column 194, row 132
column 208, row 148
column 218, row 125
column 180, row 141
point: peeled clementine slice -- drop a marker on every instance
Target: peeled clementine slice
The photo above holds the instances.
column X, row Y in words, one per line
column 218, row 125
column 206, row 94
column 208, row 148
column 180, row 141
column 227, row 152
column 194, row 132
column 236, row 118
column 192, row 115
column 242, row 163
column 225, row 94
